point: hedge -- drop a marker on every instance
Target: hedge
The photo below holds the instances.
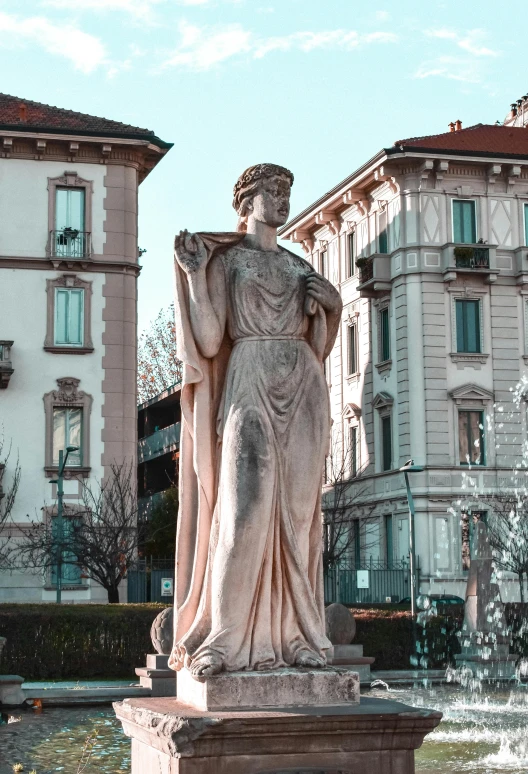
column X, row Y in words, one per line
column 83, row 642
column 75, row 642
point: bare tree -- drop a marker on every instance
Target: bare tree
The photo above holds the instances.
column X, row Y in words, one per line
column 507, row 525
column 102, row 534
column 348, row 518
column 7, row 500
column 158, row 366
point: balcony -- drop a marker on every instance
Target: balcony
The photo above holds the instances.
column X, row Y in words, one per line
column 6, row 369
column 158, row 443
column 68, row 243
column 374, row 275
column 470, row 259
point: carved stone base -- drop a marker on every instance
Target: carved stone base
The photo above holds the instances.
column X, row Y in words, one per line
column 375, row 736
column 157, row 676
column 263, row 690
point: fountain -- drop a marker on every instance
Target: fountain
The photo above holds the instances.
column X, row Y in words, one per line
column 484, row 637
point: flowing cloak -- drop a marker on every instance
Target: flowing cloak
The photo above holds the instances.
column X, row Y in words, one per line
column 200, row 451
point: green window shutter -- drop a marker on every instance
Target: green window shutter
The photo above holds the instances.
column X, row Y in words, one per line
column 388, row 540
column 468, row 325
column 383, row 242
column 526, row 224
column 59, row 432
column 70, row 570
column 353, row 450
column 69, row 208
column 351, row 254
column 74, row 420
column 357, row 542
column 386, row 438
column 384, row 333
column 75, row 318
column 464, row 222
column 61, row 315
column 352, row 349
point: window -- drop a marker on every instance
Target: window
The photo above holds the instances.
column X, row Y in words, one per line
column 67, row 411
column 69, row 316
column 386, row 442
column 389, row 546
column 353, row 443
column 384, row 334
column 383, row 242
column 351, row 254
column 69, row 222
column 67, row 431
column 357, row 543
column 468, row 522
column 70, row 570
column 526, row 224
column 352, row 364
column 471, row 437
column 468, row 325
column 324, row 263
column 464, row 222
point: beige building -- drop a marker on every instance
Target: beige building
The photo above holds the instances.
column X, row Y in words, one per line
column 427, row 243
column 68, row 292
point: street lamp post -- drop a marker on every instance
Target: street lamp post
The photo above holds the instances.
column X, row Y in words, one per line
column 63, row 458
column 410, row 467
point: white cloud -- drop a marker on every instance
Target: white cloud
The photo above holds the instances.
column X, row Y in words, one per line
column 470, row 42
column 201, row 48
column 383, row 15
column 85, row 51
column 454, row 68
column 138, row 8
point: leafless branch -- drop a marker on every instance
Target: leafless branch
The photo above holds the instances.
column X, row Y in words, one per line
column 158, row 366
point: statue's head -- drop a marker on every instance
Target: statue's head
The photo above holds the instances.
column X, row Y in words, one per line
column 262, row 192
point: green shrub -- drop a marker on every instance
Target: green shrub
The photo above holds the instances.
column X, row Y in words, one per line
column 73, row 642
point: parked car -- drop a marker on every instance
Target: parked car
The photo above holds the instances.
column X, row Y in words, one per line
column 435, row 600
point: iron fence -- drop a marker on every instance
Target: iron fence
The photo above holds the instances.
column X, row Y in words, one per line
column 147, row 581
column 375, row 581
column 70, row 243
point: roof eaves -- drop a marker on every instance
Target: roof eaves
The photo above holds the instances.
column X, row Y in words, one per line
column 297, row 221
column 108, row 133
column 410, row 149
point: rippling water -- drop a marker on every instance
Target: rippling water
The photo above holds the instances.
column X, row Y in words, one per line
column 483, row 733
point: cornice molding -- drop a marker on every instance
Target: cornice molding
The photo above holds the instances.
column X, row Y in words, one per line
column 91, row 265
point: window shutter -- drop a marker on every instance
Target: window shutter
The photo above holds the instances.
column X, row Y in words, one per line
column 75, row 317
column 386, row 442
column 74, row 435
column 384, row 335
column 59, row 432
column 352, row 349
column 464, row 222
column 468, row 326
column 61, row 315
column 351, row 254
column 526, row 224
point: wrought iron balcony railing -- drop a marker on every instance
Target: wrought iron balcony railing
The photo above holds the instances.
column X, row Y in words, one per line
column 70, row 243
column 472, row 257
column 366, row 270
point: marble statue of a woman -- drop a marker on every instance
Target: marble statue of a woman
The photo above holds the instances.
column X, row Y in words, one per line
column 254, row 324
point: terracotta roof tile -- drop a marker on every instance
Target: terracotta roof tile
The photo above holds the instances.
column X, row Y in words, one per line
column 26, row 115
column 490, row 139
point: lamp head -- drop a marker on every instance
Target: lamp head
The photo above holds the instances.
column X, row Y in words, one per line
column 410, row 467
column 72, row 448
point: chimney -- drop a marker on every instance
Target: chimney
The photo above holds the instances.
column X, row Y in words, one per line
column 458, row 125
column 22, row 112
column 451, row 127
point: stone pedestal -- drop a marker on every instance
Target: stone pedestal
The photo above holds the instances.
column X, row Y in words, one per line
column 157, row 676
column 265, row 690
column 351, row 656
column 11, row 693
column 373, row 737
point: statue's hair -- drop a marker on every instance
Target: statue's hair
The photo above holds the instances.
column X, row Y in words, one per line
column 248, row 184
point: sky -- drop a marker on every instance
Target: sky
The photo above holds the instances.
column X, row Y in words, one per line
column 318, row 86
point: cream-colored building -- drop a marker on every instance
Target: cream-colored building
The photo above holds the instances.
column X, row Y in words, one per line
column 427, row 243
column 68, row 291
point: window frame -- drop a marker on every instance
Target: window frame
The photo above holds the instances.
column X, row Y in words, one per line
column 459, row 302
column 67, row 435
column 70, row 179
column 68, row 281
column 383, row 232
column 67, row 395
column 69, row 292
column 353, row 442
column 352, row 337
column 482, row 438
column 382, row 312
column 525, row 211
column 384, row 419
column 350, row 257
column 475, row 210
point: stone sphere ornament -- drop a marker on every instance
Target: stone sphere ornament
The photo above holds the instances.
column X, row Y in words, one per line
column 161, row 631
column 340, row 624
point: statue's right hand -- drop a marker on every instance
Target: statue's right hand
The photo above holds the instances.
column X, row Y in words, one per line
column 190, row 252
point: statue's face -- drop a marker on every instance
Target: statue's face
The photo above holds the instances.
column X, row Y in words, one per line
column 271, row 204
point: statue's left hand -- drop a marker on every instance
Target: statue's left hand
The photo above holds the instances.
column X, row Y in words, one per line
column 324, row 292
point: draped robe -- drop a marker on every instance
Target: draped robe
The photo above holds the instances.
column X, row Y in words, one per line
column 255, row 430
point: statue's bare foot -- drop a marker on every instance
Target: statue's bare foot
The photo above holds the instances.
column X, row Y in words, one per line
column 206, row 666
column 307, row 658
